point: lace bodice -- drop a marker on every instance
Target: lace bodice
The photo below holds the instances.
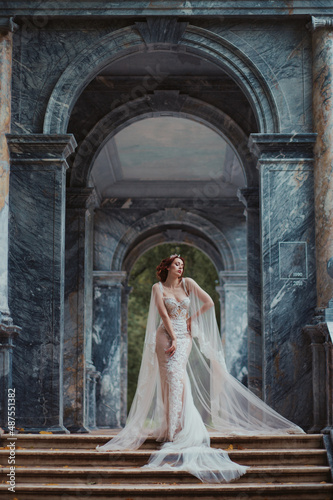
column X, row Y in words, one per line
column 177, row 310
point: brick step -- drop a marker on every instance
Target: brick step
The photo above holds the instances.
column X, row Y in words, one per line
column 140, row 457
column 90, row 441
column 91, row 475
column 230, row 491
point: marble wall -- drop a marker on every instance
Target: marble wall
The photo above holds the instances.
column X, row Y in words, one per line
column 282, row 53
column 41, row 53
column 288, row 270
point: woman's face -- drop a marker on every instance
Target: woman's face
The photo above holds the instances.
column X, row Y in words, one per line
column 176, row 268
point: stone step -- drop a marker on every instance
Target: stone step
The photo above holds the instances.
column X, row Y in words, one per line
column 92, row 475
column 140, row 457
column 90, row 441
column 230, row 491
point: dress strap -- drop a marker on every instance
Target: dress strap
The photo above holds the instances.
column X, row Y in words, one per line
column 183, row 281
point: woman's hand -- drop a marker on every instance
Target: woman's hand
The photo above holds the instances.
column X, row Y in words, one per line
column 189, row 324
column 172, row 348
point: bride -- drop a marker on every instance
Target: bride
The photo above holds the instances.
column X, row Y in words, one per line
column 184, row 388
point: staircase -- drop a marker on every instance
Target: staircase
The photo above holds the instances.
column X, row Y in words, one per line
column 67, row 467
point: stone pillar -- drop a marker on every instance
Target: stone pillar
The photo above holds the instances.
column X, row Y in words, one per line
column 329, row 384
column 36, row 275
column 220, row 291
column 7, row 338
column 235, row 333
column 126, row 290
column 107, row 345
column 8, row 331
column 320, row 376
column 250, row 198
column 79, row 376
column 288, row 270
column 6, row 43
column 322, row 62
column 92, row 376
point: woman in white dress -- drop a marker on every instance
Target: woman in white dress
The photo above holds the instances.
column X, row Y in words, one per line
column 184, row 387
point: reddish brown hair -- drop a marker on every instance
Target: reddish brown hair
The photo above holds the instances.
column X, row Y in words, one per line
column 162, row 271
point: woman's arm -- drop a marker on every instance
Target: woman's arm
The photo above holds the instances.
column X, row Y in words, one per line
column 165, row 318
column 208, row 302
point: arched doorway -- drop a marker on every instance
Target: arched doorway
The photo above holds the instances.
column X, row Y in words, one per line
column 119, row 75
column 141, row 278
column 163, row 178
column 164, row 167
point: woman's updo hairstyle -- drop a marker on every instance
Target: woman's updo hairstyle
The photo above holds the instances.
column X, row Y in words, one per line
column 162, row 268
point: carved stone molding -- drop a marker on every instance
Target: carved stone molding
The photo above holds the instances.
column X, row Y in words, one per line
column 320, row 22
column 290, row 145
column 109, row 278
column 142, row 9
column 175, row 235
column 33, row 147
column 233, row 278
column 249, row 197
column 161, row 30
column 318, row 333
column 7, row 25
column 83, row 198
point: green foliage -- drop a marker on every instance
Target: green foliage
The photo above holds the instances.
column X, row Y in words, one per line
column 143, row 275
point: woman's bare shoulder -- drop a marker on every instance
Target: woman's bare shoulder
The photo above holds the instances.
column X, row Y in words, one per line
column 189, row 280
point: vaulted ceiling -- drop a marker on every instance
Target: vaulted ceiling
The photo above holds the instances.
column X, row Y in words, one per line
column 163, row 153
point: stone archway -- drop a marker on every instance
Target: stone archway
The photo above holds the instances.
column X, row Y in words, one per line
column 172, row 225
column 247, row 74
column 186, row 226
column 283, row 147
column 158, row 105
column 222, row 50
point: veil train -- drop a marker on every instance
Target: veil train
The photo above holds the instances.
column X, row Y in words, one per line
column 213, row 400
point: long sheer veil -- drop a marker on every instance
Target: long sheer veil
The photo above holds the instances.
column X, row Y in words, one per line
column 224, row 404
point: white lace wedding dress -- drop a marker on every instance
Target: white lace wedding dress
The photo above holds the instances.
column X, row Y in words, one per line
column 180, row 397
